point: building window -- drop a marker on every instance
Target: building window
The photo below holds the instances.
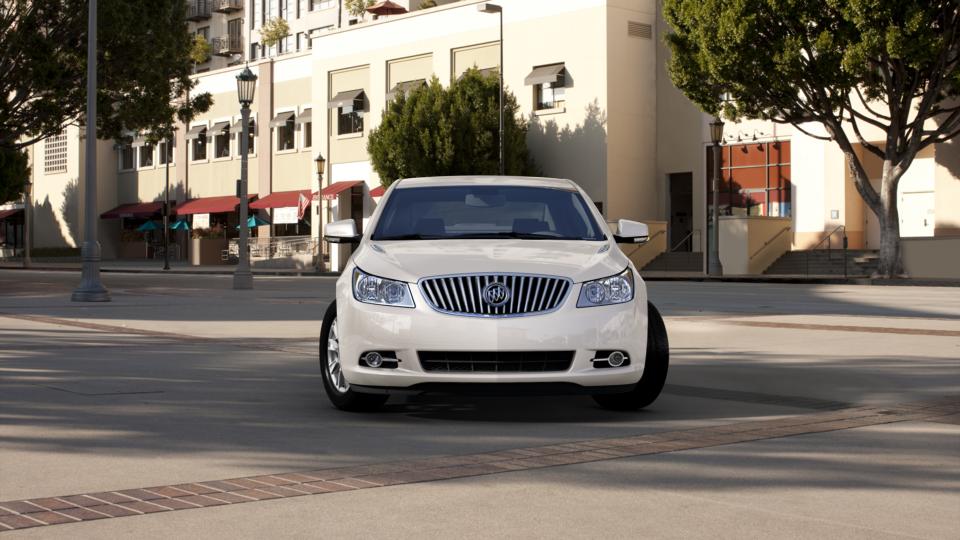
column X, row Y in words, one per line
column 285, row 134
column 251, row 133
column 199, row 146
column 549, row 96
column 321, row 4
column 349, row 120
column 146, row 156
column 299, row 41
column 755, row 179
column 165, row 154
column 204, row 31
column 126, row 157
column 55, row 154
column 254, row 50
column 221, row 143
column 307, row 134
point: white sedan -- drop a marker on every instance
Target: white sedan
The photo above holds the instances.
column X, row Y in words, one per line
column 490, row 284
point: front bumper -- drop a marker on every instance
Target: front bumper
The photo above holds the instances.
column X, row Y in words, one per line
column 405, row 331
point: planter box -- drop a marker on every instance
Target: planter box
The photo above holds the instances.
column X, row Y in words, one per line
column 204, row 251
column 132, row 250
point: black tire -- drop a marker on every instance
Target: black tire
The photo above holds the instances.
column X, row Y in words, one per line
column 654, row 372
column 346, row 400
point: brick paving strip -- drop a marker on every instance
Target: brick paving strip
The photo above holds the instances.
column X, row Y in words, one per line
column 132, row 502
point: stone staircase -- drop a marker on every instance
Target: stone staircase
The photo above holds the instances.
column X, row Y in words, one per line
column 823, row 262
column 677, row 261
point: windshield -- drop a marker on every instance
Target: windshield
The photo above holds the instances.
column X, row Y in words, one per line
column 458, row 212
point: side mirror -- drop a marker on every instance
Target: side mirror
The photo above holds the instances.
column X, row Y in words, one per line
column 631, row 232
column 342, row 232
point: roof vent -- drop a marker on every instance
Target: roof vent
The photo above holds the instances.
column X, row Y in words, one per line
column 639, row 30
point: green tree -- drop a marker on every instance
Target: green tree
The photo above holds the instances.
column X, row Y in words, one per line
column 358, row 8
column 201, row 50
column 437, row 131
column 888, row 66
column 273, row 31
column 143, row 73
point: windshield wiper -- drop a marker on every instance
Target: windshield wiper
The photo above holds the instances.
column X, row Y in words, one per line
column 511, row 234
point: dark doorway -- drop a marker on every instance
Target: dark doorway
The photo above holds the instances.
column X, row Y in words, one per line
column 681, row 211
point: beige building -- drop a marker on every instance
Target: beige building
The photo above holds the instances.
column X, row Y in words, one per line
column 590, row 79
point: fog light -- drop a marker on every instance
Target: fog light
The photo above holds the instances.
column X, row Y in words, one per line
column 373, row 359
column 616, row 359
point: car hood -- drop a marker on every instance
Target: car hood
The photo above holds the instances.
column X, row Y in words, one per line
column 415, row 259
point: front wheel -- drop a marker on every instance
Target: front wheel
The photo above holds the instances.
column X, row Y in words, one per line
column 655, row 367
column 334, row 382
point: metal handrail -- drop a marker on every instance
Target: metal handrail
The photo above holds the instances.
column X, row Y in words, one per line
column 829, row 241
column 689, row 236
column 768, row 242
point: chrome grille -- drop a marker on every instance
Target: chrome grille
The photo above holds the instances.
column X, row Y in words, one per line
column 464, row 294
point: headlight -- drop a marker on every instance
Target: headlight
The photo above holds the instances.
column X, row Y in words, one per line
column 376, row 290
column 604, row 292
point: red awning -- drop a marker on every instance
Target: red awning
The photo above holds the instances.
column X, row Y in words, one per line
column 281, row 199
column 378, row 191
column 330, row 192
column 4, row 214
column 210, row 205
column 140, row 210
column 386, row 7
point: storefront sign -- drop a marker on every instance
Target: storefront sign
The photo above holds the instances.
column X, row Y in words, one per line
column 201, row 221
column 285, row 215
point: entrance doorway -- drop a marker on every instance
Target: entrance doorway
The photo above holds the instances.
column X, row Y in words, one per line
column 681, row 211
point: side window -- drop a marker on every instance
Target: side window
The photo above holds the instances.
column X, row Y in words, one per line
column 126, row 157
column 146, row 156
column 199, row 146
column 285, row 135
column 349, row 120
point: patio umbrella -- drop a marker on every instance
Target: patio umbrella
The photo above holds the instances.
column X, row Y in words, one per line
column 148, row 226
column 180, row 224
column 255, row 221
column 386, row 7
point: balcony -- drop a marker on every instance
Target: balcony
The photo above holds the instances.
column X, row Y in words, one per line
column 227, row 6
column 228, row 45
column 198, row 10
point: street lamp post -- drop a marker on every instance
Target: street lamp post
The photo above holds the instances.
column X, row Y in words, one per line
column 246, row 86
column 166, row 205
column 494, row 8
column 27, row 207
column 321, row 163
column 714, row 267
column 90, row 288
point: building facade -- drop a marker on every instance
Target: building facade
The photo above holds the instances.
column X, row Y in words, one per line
column 590, row 79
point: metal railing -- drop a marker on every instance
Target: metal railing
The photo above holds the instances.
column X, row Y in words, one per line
column 227, row 45
column 198, row 10
column 688, row 239
column 226, row 6
column 829, row 241
column 768, row 242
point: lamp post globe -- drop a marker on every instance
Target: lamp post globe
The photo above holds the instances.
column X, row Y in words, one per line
column 321, row 163
column 246, row 88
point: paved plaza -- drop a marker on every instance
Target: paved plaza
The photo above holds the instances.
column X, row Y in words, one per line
column 186, row 409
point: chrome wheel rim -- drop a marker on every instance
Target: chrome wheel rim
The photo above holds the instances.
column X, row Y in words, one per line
column 334, row 369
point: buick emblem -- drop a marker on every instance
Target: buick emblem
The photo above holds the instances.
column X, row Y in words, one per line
column 496, row 294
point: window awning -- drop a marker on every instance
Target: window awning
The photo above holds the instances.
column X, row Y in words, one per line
column 281, row 199
column 195, row 131
column 378, row 191
column 545, row 74
column 6, row 214
column 138, row 210
column 210, row 205
column 305, row 116
column 331, row 192
column 344, row 99
column 405, row 87
column 238, row 125
column 281, row 119
column 220, row 127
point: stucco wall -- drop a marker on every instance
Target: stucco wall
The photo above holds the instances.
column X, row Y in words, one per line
column 936, row 258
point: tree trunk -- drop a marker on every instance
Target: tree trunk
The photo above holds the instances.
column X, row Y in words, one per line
column 891, row 265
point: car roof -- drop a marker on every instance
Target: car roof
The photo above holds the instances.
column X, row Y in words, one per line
column 526, row 181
